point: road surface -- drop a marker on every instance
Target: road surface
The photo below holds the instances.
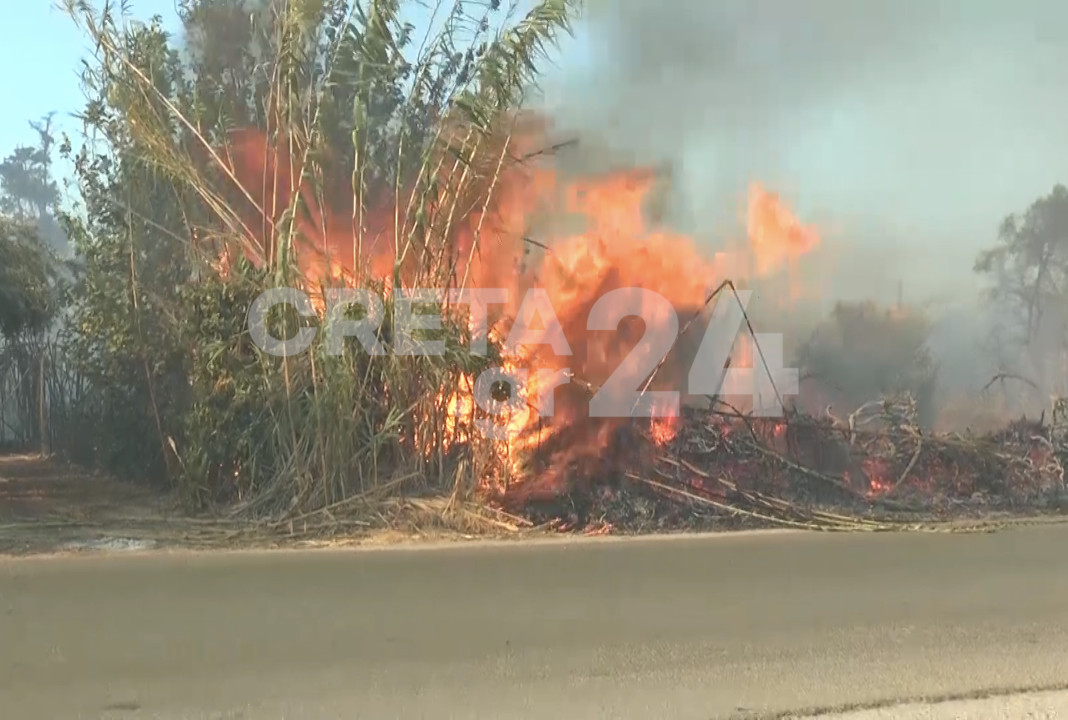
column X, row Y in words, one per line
column 750, row 625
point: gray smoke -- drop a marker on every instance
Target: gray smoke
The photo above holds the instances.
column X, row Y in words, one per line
column 908, row 129
column 905, row 131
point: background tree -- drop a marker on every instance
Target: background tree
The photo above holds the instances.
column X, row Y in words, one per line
column 28, row 297
column 1028, row 274
column 28, row 190
column 863, row 352
column 27, row 304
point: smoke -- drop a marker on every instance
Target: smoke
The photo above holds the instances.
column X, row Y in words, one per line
column 904, row 131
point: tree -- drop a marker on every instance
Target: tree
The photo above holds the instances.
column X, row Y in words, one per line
column 1028, row 273
column 28, row 295
column 1029, row 264
column 31, row 283
column 28, row 191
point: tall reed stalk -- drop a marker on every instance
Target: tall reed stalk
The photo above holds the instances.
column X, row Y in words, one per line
column 358, row 110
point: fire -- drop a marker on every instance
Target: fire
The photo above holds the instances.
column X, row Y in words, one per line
column 878, row 481
column 664, row 429
column 775, row 234
column 617, row 247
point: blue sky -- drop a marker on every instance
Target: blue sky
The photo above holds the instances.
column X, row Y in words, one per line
column 41, row 50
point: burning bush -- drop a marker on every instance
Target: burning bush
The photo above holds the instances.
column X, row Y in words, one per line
column 443, row 178
column 292, row 144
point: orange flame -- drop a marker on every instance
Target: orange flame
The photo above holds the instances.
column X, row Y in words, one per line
column 618, row 248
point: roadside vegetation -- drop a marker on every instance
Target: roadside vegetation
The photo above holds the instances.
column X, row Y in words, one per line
column 209, row 157
column 153, row 374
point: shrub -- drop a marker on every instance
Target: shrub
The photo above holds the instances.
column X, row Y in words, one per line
column 862, row 352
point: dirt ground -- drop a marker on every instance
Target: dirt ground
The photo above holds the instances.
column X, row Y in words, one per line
column 47, row 506
column 50, row 507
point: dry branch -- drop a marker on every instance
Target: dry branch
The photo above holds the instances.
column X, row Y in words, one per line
column 877, row 471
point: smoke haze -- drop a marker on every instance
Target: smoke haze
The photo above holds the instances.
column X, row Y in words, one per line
column 905, row 130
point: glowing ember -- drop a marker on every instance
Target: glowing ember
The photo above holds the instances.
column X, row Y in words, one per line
column 879, row 481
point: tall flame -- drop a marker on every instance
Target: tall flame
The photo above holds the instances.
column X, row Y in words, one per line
column 618, row 247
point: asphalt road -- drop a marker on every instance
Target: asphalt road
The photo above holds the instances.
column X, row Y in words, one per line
column 730, row 626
